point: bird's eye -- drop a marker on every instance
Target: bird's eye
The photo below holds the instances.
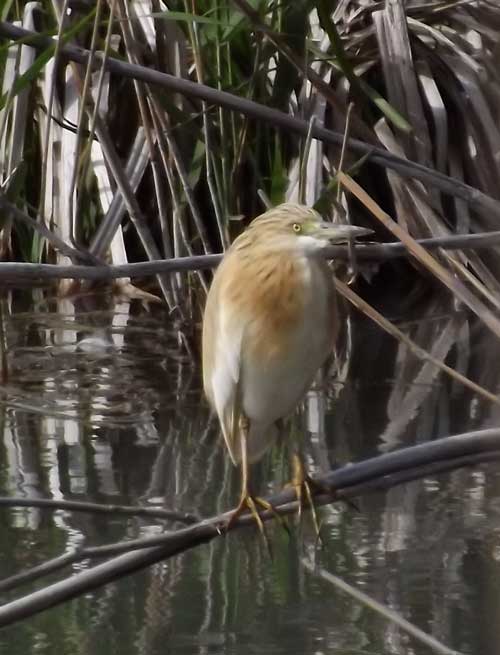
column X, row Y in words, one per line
column 297, row 228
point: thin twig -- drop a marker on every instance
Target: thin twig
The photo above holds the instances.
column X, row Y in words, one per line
column 75, row 255
column 353, row 264
column 174, row 152
column 417, row 350
column 304, row 161
column 344, row 147
column 102, row 71
column 264, row 198
column 381, row 609
column 99, row 508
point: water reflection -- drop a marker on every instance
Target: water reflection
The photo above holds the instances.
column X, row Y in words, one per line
column 99, row 404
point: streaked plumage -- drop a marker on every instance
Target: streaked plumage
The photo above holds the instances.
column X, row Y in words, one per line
column 270, row 322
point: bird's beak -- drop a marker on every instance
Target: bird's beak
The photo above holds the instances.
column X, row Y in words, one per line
column 340, row 233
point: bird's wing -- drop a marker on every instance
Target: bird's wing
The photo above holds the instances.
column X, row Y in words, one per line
column 223, row 327
column 226, row 378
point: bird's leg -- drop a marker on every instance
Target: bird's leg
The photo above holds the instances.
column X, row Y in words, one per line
column 247, row 501
column 304, row 484
column 304, row 488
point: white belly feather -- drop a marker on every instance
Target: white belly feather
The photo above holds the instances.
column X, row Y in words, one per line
column 272, row 390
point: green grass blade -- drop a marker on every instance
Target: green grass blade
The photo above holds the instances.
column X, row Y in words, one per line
column 323, row 9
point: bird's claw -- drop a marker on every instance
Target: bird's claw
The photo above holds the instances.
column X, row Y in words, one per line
column 251, row 503
column 305, row 490
column 305, row 498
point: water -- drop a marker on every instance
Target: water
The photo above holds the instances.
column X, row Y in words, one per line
column 100, row 404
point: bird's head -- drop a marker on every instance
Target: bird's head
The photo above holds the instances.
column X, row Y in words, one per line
column 291, row 226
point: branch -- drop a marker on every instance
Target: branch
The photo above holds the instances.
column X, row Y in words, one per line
column 10, row 210
column 47, row 568
column 97, row 552
column 98, row 508
column 379, row 472
column 365, row 252
column 381, row 609
column 483, row 203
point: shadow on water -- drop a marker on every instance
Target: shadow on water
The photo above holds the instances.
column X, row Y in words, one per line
column 97, row 404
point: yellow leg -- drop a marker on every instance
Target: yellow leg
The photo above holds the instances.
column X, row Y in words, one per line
column 247, row 501
column 303, row 485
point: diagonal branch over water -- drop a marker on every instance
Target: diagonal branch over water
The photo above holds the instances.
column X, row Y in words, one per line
column 381, row 609
column 417, row 350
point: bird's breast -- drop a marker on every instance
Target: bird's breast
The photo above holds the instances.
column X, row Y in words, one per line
column 284, row 345
column 289, row 302
column 275, row 307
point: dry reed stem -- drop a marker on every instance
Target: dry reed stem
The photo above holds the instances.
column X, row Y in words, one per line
column 484, row 204
column 427, row 260
column 419, row 352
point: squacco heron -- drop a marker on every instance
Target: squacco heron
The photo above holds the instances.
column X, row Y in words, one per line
column 270, row 323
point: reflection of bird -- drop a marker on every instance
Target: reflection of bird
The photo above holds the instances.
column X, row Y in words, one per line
column 270, row 323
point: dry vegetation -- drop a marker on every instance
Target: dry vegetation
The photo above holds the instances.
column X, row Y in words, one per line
column 109, row 161
column 178, row 122
column 130, row 171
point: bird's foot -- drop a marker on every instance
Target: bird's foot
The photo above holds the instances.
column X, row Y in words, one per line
column 305, row 490
column 249, row 503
